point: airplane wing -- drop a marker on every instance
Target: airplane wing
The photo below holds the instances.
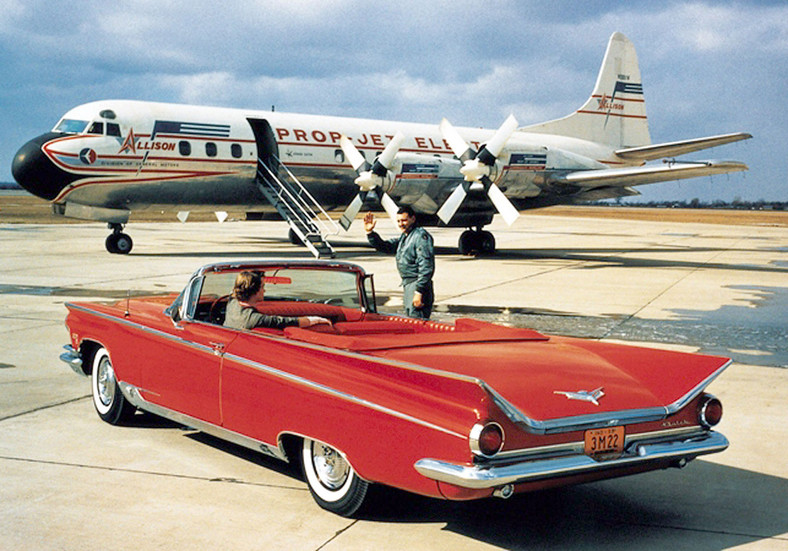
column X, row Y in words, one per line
column 671, row 149
column 634, row 176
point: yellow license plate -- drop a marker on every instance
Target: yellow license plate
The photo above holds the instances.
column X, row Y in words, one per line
column 609, row 441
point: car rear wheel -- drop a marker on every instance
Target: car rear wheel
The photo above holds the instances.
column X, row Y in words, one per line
column 108, row 400
column 332, row 481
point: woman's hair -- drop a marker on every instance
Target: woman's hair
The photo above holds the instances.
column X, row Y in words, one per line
column 246, row 285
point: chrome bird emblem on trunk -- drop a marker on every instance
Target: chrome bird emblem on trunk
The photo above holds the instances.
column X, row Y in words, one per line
column 583, row 395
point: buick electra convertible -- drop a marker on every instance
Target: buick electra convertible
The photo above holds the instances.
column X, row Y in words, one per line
column 458, row 411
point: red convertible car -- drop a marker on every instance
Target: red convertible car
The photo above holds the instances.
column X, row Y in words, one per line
column 456, row 411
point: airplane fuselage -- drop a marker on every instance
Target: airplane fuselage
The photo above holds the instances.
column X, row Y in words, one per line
column 151, row 155
column 105, row 159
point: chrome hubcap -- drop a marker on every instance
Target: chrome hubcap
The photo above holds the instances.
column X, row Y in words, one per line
column 106, row 382
column 331, row 468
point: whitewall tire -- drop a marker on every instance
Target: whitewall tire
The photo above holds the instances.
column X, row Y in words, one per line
column 333, row 483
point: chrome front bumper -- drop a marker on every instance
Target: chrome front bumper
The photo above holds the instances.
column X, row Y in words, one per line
column 73, row 359
column 492, row 476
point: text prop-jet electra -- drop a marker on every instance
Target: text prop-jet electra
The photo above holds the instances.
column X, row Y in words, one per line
column 105, row 159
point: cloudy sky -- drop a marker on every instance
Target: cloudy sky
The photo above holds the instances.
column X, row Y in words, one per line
column 708, row 67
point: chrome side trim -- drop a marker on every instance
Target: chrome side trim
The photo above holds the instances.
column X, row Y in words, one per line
column 339, row 394
column 482, row 477
column 73, row 359
column 133, row 395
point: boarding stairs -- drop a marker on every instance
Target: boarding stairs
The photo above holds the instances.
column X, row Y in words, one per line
column 307, row 219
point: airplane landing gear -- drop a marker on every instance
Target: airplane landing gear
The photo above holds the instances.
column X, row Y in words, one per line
column 474, row 242
column 118, row 242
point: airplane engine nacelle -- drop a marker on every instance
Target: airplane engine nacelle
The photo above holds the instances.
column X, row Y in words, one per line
column 526, row 167
column 421, row 178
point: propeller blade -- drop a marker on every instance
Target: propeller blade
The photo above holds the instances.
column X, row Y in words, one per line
column 351, row 211
column 449, row 208
column 387, row 157
column 504, row 206
column 389, row 205
column 495, row 145
column 457, row 144
column 353, row 155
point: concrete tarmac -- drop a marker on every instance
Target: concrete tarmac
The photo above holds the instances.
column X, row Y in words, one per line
column 70, row 481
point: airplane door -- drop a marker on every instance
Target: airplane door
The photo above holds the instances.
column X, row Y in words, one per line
column 267, row 148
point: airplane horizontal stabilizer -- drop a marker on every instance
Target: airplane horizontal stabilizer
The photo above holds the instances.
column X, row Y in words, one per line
column 671, row 149
column 635, row 176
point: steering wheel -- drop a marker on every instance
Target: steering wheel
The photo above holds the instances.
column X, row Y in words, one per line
column 215, row 313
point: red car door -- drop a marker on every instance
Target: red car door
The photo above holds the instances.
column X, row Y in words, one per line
column 186, row 377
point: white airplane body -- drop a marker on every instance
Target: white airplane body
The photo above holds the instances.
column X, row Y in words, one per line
column 106, row 159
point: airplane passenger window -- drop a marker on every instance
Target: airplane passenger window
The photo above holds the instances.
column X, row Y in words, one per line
column 113, row 129
column 96, row 128
column 185, row 148
column 236, row 150
column 210, row 149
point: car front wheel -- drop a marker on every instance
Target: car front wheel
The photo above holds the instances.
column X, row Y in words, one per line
column 332, row 481
column 110, row 404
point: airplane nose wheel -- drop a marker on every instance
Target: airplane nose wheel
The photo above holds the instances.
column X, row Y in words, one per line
column 475, row 242
column 118, row 242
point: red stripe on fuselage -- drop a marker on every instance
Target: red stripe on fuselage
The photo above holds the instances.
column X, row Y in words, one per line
column 612, row 114
column 63, row 194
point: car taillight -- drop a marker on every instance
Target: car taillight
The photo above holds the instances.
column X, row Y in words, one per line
column 486, row 440
column 709, row 411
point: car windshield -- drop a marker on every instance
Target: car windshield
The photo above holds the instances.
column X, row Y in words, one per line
column 324, row 286
column 71, row 126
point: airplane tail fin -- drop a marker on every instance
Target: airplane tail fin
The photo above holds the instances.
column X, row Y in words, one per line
column 615, row 114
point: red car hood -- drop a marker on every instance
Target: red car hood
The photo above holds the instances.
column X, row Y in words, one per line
column 539, row 377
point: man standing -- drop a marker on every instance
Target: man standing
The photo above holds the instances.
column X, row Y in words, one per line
column 415, row 260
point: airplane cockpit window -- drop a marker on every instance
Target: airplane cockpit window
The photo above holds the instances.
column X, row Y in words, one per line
column 71, row 126
column 96, row 128
column 113, row 129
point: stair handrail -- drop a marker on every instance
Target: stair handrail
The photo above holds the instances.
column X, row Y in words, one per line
column 303, row 199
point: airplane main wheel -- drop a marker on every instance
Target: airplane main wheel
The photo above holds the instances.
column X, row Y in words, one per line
column 474, row 242
column 468, row 244
column 119, row 243
column 486, row 242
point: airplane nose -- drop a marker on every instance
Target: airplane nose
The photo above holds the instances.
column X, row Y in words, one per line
column 35, row 172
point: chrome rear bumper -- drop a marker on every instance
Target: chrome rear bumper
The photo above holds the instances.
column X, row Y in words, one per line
column 492, row 476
